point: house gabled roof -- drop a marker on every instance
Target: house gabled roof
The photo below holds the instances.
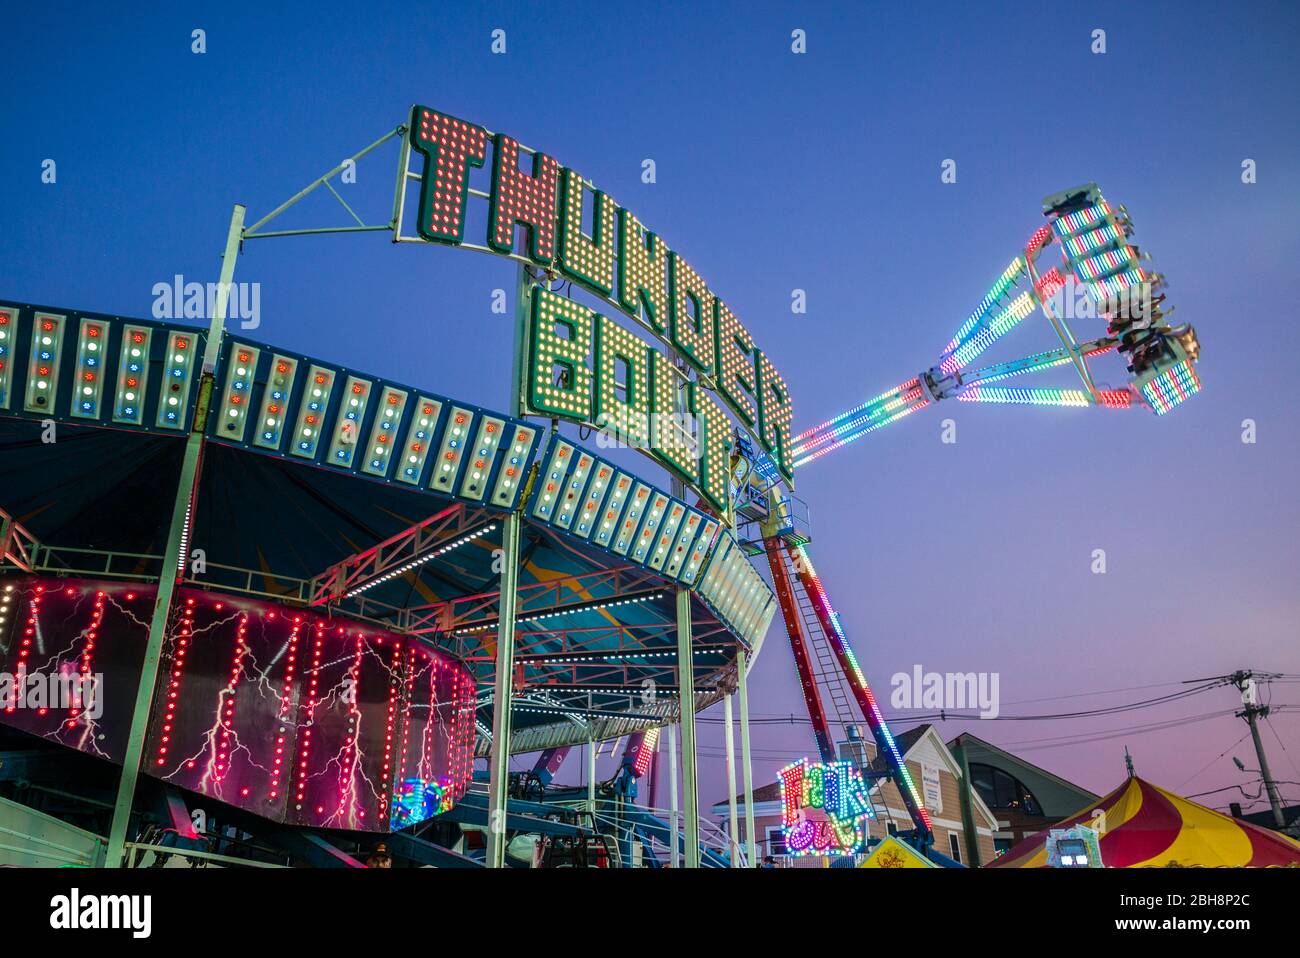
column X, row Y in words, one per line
column 1020, row 763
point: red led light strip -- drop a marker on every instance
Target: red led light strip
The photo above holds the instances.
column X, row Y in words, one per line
column 310, row 716
column 87, row 658
column 25, row 650
column 286, row 700
column 183, row 635
column 228, row 709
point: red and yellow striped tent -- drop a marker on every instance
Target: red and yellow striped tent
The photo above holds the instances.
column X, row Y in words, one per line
column 1143, row 826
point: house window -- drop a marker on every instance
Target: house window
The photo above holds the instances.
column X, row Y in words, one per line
column 1002, row 791
column 954, row 847
column 776, row 840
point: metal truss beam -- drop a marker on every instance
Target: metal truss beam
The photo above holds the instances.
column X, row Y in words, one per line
column 400, row 553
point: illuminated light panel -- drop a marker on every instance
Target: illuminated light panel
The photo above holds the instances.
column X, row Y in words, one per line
column 1042, row 236
column 678, row 553
column 174, row 389
column 999, row 326
column 662, row 545
column 775, row 414
column 636, row 506
column 588, row 517
column 452, row 146
column 1081, row 220
column 311, row 412
column 550, row 481
column 233, row 415
column 419, row 437
column 715, row 461
column 1171, row 387
column 700, row 550
column 1077, row 247
column 994, row 296
column 1049, row 284
column 690, row 314
column 607, row 523
column 347, row 428
column 642, row 272
column 736, row 372
column 275, row 399
column 727, row 586
column 510, row 477
column 43, row 362
column 88, row 380
column 672, row 408
column 518, row 197
column 572, row 487
column 1104, row 263
column 588, row 260
column 383, row 431
column 735, row 590
column 450, row 456
column 8, row 332
column 626, row 417
column 552, row 357
column 1113, row 286
column 479, row 458
column 645, row 539
column 646, row 753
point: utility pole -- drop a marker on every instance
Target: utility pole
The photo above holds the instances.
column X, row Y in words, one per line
column 1252, row 711
column 1128, row 763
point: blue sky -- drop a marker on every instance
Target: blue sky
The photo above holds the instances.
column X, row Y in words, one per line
column 778, row 171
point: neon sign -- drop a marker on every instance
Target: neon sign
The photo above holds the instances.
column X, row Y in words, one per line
column 593, row 372
column 824, row 808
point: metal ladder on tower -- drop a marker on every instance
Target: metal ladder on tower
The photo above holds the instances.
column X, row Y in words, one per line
column 829, row 677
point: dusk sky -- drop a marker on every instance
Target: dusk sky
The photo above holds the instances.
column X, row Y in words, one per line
column 779, row 171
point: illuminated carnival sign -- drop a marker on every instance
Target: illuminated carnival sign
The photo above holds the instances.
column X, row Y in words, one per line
column 580, row 365
column 824, row 808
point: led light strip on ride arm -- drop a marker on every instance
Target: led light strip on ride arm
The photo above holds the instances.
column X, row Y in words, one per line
column 1097, row 256
column 885, row 744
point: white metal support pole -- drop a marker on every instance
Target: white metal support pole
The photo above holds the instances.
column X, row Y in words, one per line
column 499, row 754
column 186, row 490
column 742, row 692
column 731, row 781
column 686, row 699
column 591, row 767
column 674, row 819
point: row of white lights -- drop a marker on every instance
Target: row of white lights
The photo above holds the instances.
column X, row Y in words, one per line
column 615, row 655
column 570, row 611
column 422, row 560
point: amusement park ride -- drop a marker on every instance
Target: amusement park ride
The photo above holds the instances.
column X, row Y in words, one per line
column 359, row 586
